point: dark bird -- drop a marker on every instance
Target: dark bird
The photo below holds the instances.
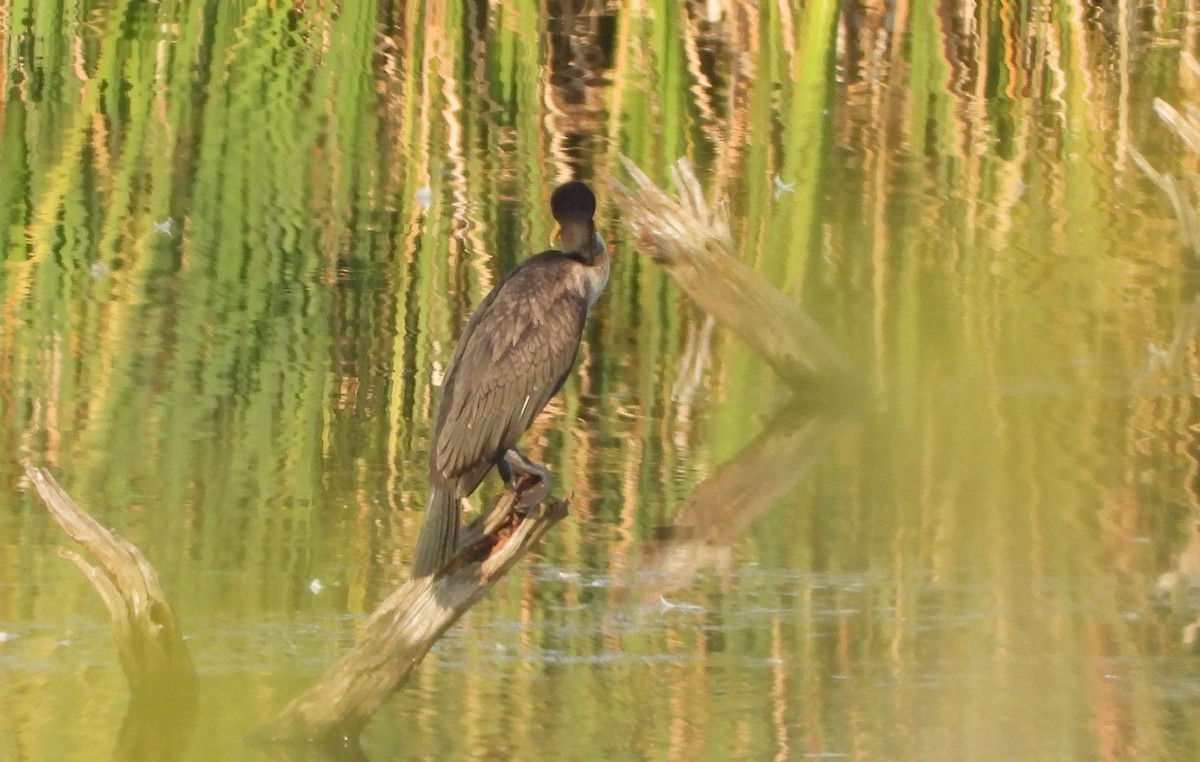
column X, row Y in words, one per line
column 514, row 355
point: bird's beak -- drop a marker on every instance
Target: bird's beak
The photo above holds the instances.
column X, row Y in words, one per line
column 557, row 237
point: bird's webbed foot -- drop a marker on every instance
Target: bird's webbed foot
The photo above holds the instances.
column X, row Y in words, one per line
column 531, row 481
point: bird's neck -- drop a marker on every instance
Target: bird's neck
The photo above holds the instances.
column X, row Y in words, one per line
column 579, row 237
column 581, row 242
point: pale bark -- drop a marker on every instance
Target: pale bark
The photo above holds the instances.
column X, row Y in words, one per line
column 403, row 628
column 691, row 241
column 154, row 657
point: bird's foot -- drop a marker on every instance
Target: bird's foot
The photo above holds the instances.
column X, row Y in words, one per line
column 530, row 481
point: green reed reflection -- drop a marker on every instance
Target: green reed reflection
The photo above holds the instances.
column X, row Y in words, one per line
column 239, row 240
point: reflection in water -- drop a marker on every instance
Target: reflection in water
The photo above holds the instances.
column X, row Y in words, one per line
column 717, row 515
column 248, row 398
column 1184, row 577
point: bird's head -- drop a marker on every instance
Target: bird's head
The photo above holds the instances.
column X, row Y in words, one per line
column 573, row 205
column 572, row 202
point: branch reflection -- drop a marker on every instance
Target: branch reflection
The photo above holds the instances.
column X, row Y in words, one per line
column 725, row 506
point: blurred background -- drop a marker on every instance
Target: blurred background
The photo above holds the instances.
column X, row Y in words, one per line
column 239, row 240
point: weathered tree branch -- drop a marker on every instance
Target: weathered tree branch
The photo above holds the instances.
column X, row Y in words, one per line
column 691, row 240
column 154, row 657
column 149, row 639
column 1183, row 197
column 403, row 628
column 1183, row 579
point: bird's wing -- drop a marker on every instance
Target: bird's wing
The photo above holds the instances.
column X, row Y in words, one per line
column 513, row 356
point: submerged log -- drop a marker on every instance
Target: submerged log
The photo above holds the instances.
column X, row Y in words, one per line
column 153, row 655
column 691, row 241
column 405, row 626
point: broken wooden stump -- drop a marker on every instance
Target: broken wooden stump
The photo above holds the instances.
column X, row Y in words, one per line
column 691, row 240
column 153, row 655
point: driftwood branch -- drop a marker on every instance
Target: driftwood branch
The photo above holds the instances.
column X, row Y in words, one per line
column 691, row 240
column 1180, row 584
column 1185, row 201
column 403, row 628
column 154, row 657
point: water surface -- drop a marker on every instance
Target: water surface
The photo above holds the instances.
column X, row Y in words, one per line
column 240, row 239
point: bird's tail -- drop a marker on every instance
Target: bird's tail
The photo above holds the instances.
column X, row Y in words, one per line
column 439, row 533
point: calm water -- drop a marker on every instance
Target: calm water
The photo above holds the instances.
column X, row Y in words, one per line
column 239, row 240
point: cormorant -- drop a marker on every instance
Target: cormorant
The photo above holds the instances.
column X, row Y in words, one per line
column 514, row 355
